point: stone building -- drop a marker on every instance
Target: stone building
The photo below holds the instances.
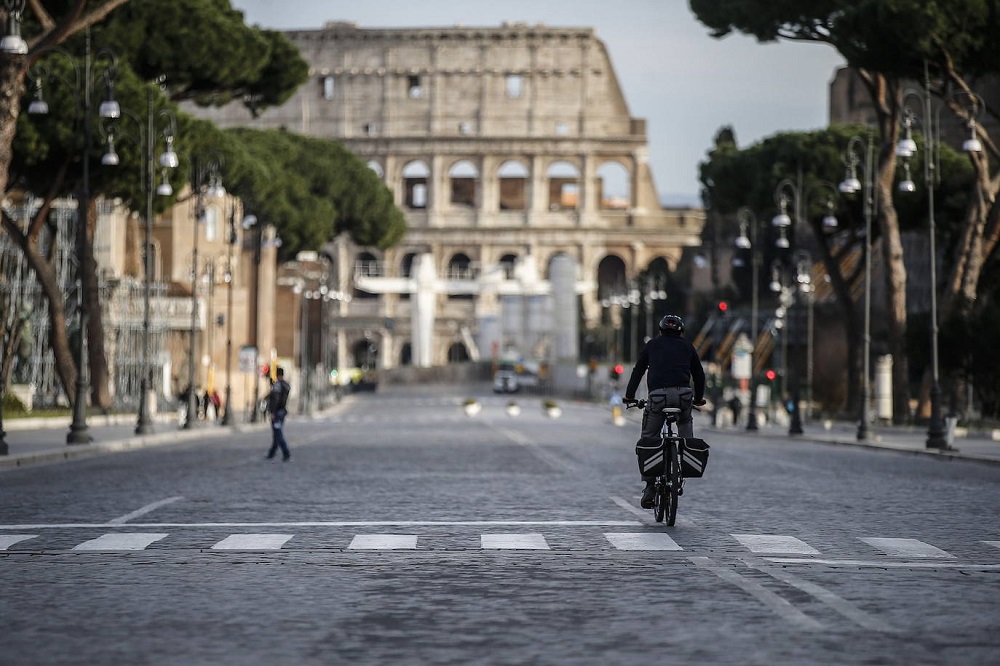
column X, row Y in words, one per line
column 506, row 147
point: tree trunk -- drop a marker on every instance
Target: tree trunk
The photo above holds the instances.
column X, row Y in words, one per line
column 895, row 278
column 100, row 393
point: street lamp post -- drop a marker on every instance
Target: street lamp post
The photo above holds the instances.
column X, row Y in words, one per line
column 748, row 220
column 12, row 43
column 788, row 192
column 850, row 185
column 906, row 148
column 227, row 419
column 148, row 134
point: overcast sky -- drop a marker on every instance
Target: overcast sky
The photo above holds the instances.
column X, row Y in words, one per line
column 684, row 83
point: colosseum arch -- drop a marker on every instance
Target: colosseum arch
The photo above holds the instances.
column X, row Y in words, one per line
column 513, row 178
column 563, row 186
column 463, row 184
column 416, row 176
column 365, row 263
column 615, row 186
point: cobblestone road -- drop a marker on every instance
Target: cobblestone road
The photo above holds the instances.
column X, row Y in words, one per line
column 405, row 531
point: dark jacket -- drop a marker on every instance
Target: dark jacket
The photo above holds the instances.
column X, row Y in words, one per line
column 278, row 397
column 671, row 361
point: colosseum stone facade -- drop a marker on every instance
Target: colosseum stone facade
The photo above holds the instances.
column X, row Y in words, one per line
column 506, row 147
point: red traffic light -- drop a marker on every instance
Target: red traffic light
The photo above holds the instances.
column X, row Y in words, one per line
column 265, row 370
column 619, row 369
column 723, row 306
column 771, row 375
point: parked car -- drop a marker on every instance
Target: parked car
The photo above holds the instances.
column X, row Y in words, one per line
column 505, row 381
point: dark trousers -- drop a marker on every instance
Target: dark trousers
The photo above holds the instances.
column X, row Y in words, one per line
column 653, row 416
column 278, row 435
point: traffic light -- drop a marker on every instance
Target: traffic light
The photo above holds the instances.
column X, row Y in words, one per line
column 771, row 375
column 265, row 370
column 616, row 371
column 723, row 307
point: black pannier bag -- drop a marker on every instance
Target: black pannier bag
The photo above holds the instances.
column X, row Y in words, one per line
column 649, row 453
column 694, row 457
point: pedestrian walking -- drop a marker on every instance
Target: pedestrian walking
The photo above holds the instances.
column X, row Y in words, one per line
column 277, row 407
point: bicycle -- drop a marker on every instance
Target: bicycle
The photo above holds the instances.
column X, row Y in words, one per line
column 664, row 463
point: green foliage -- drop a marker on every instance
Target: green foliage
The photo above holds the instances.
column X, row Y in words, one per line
column 748, row 177
column 152, row 40
column 893, row 37
column 310, row 189
column 205, row 52
column 968, row 348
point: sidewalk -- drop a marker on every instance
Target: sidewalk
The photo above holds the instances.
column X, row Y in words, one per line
column 968, row 445
column 36, row 441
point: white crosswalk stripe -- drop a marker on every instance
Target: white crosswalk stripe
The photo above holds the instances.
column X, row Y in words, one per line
column 8, row 540
column 121, row 541
column 383, row 542
column 514, row 542
column 775, row 544
column 641, row 541
column 764, row 545
column 906, row 548
column 253, row 542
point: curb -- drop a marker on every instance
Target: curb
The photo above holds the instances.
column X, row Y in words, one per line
column 73, row 451
column 941, row 454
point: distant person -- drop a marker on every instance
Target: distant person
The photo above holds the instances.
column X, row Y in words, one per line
column 277, row 407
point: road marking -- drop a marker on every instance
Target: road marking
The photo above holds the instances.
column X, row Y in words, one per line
column 645, row 514
column 8, row 540
column 906, row 548
column 641, row 541
column 771, row 600
column 121, row 520
column 354, row 523
column 839, row 604
column 122, row 541
column 883, row 564
column 514, row 542
column 253, row 542
column 775, row 544
column 560, row 464
column 383, row 542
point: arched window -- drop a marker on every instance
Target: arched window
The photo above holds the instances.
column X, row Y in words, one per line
column 464, row 178
column 406, row 270
column 457, row 353
column 365, row 353
column 366, row 265
column 507, row 262
column 615, row 186
column 415, row 177
column 513, row 185
column 564, row 186
column 377, row 168
column 460, row 268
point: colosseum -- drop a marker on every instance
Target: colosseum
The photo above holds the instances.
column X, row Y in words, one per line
column 513, row 154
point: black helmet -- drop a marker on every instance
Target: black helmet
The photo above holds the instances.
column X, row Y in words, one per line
column 672, row 323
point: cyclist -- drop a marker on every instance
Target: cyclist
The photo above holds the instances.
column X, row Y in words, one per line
column 671, row 365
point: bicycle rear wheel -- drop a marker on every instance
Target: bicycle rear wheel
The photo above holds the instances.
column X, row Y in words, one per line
column 671, row 489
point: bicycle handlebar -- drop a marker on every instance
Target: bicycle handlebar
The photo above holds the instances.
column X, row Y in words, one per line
column 641, row 404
